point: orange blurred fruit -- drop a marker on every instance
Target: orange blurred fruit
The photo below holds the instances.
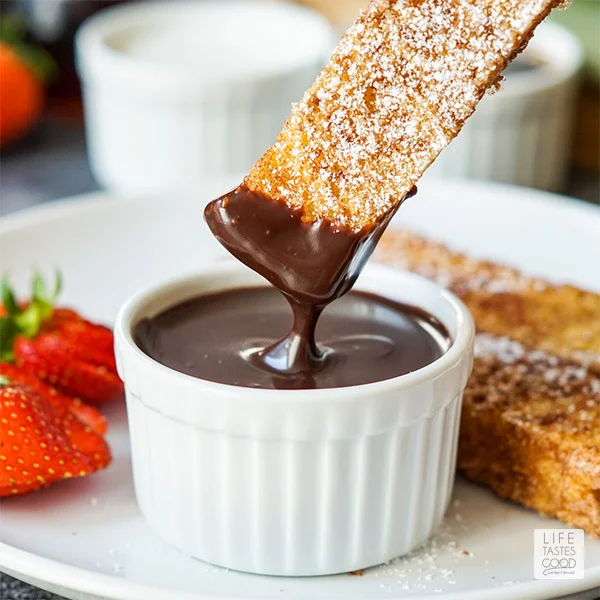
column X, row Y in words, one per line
column 21, row 96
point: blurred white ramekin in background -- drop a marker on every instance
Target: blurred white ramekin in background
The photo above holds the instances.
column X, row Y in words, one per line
column 174, row 91
column 522, row 134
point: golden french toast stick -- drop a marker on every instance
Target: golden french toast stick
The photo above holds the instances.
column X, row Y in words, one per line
column 530, row 426
column 530, row 429
column 560, row 319
column 397, row 90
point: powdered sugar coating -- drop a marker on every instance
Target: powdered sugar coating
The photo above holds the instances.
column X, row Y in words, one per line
column 397, row 90
column 530, row 430
column 537, row 387
column 558, row 319
column 450, row 269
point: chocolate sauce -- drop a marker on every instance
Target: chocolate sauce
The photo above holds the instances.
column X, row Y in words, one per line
column 361, row 338
column 312, row 264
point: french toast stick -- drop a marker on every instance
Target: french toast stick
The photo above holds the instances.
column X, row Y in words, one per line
column 397, row 89
column 530, row 427
column 560, row 319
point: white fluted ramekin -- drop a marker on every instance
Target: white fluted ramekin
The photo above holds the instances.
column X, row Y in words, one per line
column 294, row 482
column 522, row 134
column 177, row 90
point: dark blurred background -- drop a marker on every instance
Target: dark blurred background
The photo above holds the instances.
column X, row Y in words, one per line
column 46, row 158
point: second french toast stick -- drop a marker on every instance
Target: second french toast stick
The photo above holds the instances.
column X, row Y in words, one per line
column 530, row 426
column 559, row 319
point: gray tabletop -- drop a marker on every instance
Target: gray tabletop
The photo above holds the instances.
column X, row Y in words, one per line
column 52, row 164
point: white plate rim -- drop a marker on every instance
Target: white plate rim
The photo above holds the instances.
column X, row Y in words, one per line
column 106, row 586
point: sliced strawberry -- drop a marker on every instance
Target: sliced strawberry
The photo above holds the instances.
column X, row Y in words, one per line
column 88, row 415
column 25, row 318
column 63, row 316
column 85, row 334
column 82, row 333
column 84, row 439
column 47, row 343
column 41, row 445
column 56, row 365
column 57, row 345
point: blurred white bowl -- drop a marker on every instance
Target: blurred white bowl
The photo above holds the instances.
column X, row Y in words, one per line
column 176, row 90
column 522, row 134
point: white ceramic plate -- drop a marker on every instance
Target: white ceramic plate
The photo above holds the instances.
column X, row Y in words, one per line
column 86, row 538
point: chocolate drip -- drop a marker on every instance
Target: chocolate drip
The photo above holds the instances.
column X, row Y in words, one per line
column 312, row 264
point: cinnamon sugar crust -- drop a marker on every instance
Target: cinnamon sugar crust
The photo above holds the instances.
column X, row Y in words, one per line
column 530, row 426
column 531, row 430
column 397, row 90
column 560, row 319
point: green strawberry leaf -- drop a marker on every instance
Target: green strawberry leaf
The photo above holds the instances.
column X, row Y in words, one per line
column 4, row 380
column 58, row 285
column 37, row 59
column 39, row 291
column 7, row 356
column 30, row 320
column 8, row 297
column 13, row 32
column 12, row 28
column 8, row 332
column 39, row 288
column 25, row 321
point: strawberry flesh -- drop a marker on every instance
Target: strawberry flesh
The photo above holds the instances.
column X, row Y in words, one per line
column 54, row 361
column 41, row 445
column 84, row 334
column 77, row 350
column 88, row 415
column 57, row 345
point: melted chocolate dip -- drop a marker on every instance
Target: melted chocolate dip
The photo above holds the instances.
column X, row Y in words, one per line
column 312, row 264
column 221, row 337
column 249, row 337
